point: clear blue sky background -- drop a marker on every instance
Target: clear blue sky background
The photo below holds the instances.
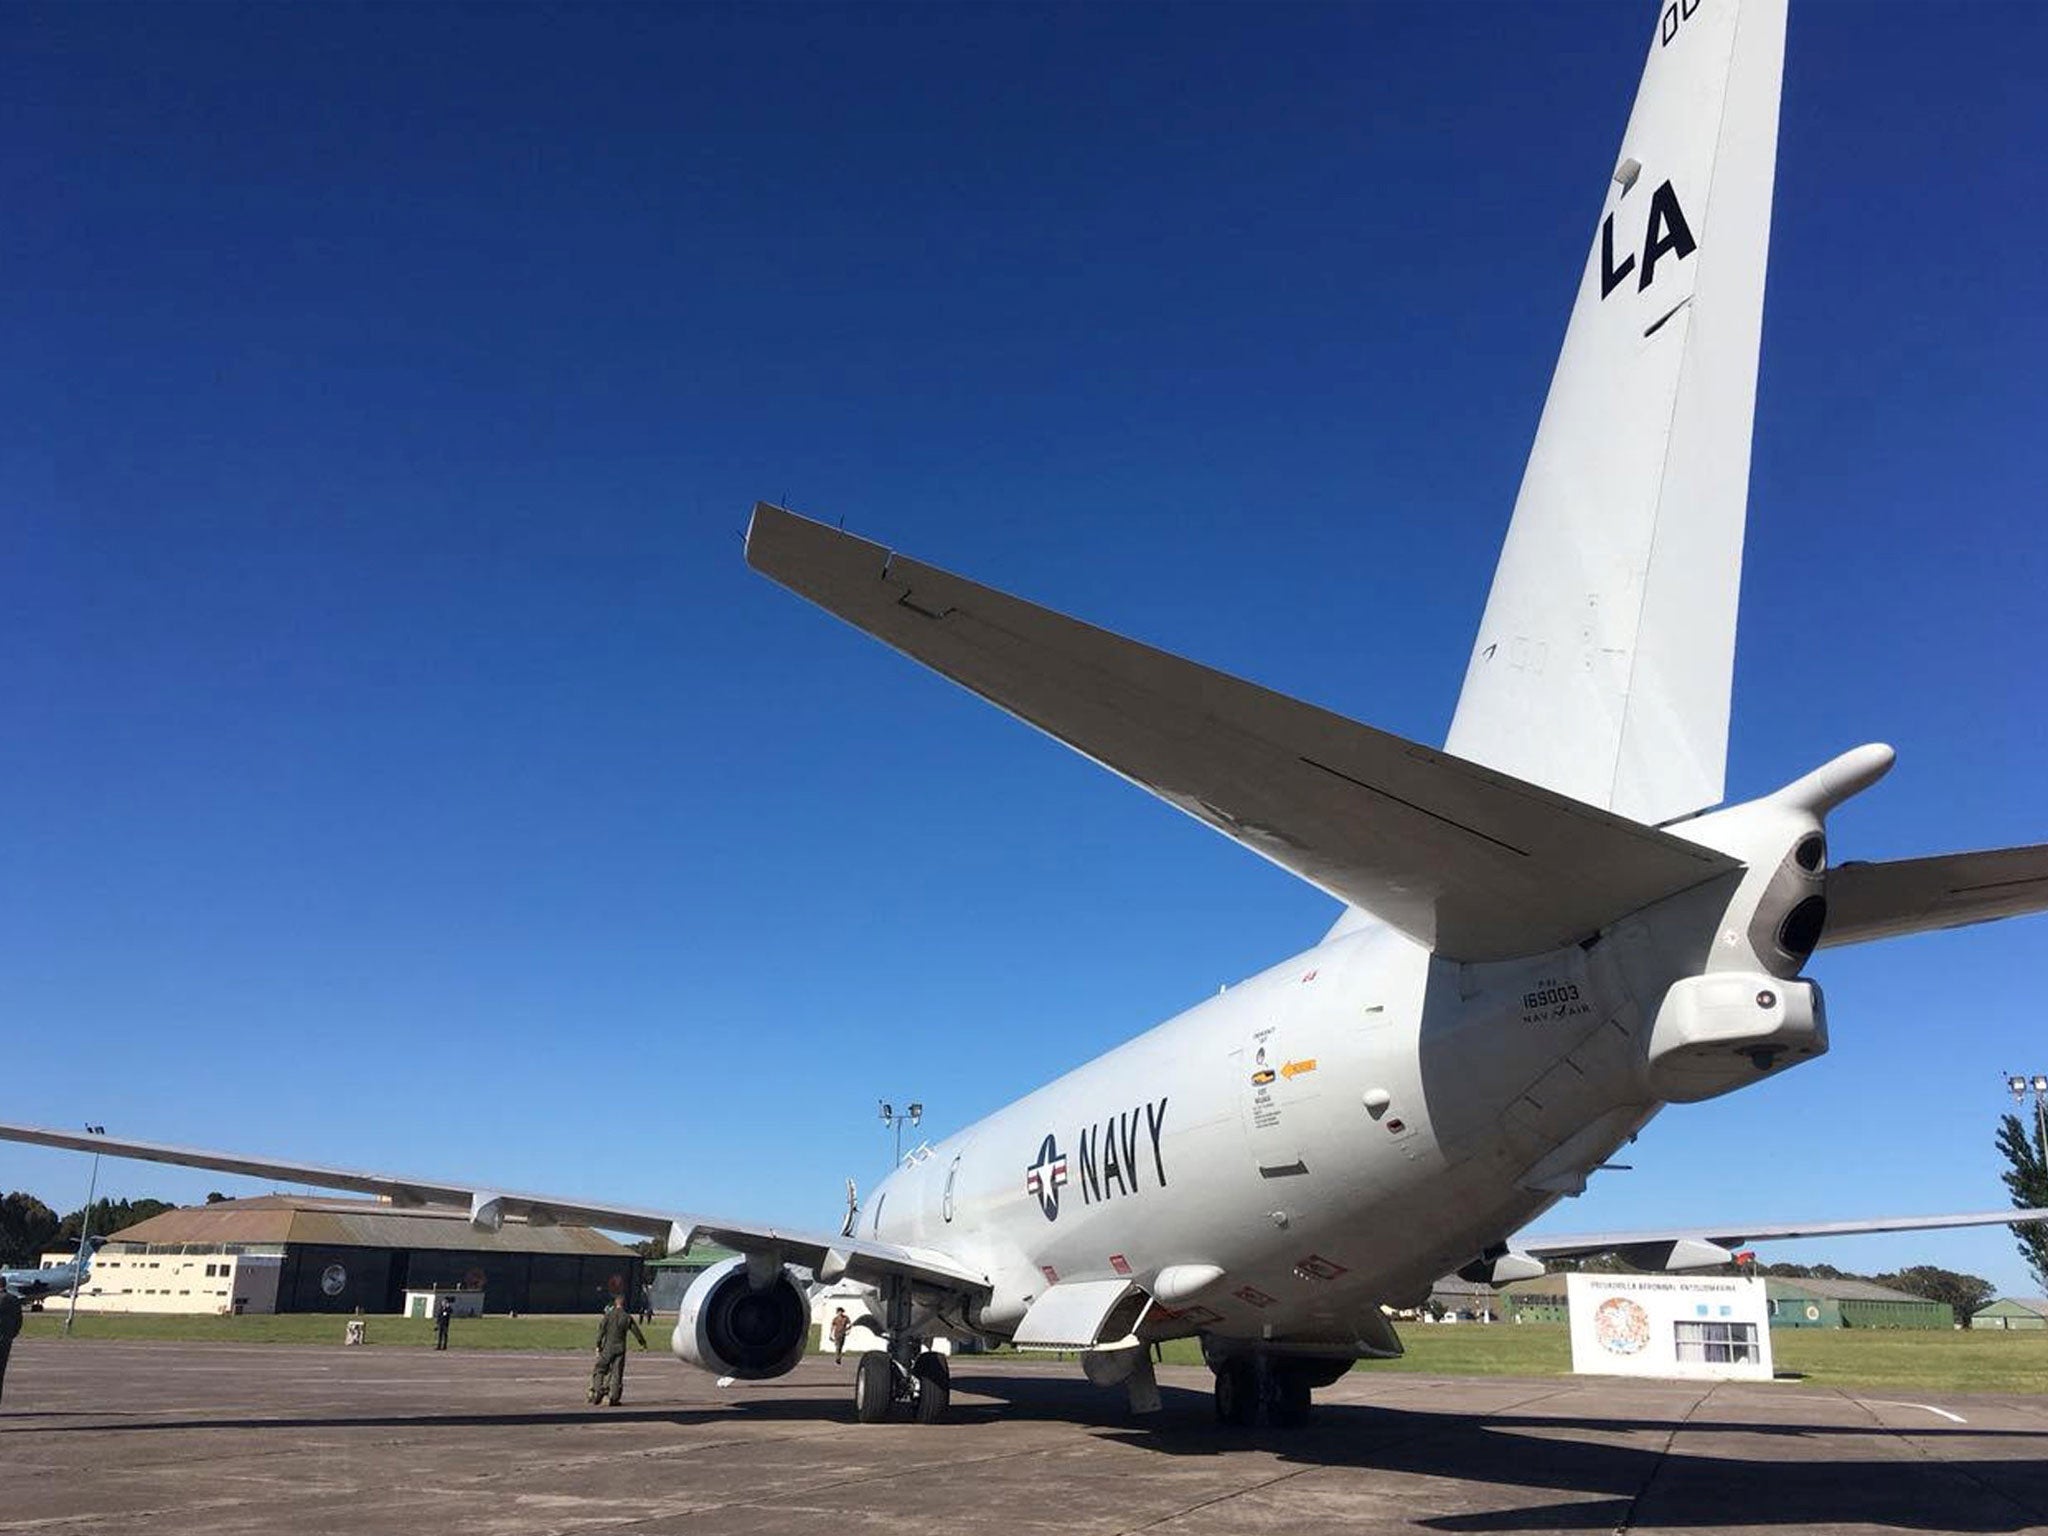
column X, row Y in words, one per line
column 401, row 766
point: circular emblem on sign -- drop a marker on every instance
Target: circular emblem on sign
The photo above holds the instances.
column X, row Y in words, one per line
column 1622, row 1327
column 333, row 1279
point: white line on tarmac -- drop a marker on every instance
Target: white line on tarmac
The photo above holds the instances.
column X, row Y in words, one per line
column 1953, row 1418
column 1885, row 1402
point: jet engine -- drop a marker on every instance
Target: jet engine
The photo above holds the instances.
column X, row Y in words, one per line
column 731, row 1326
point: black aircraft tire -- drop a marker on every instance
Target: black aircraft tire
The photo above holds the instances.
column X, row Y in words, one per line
column 934, row 1387
column 1237, row 1393
column 1287, row 1406
column 874, row 1387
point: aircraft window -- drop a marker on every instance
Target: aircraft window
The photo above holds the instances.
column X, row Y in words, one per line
column 946, row 1204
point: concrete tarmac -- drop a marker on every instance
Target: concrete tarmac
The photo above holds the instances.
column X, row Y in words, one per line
column 113, row 1437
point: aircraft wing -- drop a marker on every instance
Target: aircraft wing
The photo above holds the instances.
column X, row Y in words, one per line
column 488, row 1208
column 1469, row 860
column 1702, row 1247
column 1950, row 890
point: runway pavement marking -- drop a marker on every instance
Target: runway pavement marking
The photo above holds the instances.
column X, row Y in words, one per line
column 1884, row 1402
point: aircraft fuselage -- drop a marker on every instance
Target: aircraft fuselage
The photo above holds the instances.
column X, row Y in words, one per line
column 1340, row 1130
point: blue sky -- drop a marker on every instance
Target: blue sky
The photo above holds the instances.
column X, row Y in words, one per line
column 404, row 768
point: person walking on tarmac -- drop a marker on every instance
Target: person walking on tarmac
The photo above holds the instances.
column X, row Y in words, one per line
column 444, row 1311
column 841, row 1323
column 10, row 1325
column 608, row 1376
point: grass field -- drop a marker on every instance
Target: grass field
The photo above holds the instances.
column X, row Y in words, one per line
column 1984, row 1361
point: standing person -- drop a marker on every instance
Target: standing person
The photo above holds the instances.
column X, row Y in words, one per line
column 444, row 1310
column 10, row 1325
column 838, row 1329
column 608, row 1376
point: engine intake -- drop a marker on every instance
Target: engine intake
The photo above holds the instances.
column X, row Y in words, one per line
column 731, row 1328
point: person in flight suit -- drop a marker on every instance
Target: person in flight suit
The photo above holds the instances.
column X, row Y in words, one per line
column 444, row 1312
column 608, row 1376
column 10, row 1325
column 840, row 1327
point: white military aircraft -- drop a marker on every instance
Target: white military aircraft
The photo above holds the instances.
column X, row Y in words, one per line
column 32, row 1285
column 1547, row 933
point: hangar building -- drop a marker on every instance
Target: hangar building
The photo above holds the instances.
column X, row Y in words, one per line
column 1793, row 1304
column 2023, row 1312
column 1851, row 1304
column 308, row 1253
column 669, row 1278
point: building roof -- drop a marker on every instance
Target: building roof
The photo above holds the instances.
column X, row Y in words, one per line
column 337, row 1223
column 2037, row 1305
column 1551, row 1284
column 1454, row 1285
column 1842, row 1290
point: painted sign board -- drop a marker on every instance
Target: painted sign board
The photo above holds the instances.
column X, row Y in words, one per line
column 1669, row 1325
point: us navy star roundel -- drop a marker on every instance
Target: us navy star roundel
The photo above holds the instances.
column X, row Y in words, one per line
column 1044, row 1177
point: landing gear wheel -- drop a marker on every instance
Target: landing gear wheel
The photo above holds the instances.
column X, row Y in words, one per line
column 1287, row 1399
column 934, row 1387
column 874, row 1387
column 1237, row 1393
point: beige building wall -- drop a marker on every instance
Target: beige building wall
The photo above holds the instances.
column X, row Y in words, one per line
column 204, row 1283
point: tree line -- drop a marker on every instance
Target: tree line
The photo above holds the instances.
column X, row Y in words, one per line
column 29, row 1229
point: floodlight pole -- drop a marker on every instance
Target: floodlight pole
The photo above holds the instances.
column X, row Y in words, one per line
column 92, row 1190
column 894, row 1118
column 2035, row 1083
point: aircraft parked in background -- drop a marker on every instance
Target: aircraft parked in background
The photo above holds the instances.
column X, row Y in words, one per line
column 1548, row 931
column 32, row 1285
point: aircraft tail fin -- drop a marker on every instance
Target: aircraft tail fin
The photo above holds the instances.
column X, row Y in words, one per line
column 1950, row 890
column 1603, row 663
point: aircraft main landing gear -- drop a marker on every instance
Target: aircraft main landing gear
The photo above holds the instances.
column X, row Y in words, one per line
column 934, row 1387
column 874, row 1387
column 1280, row 1390
column 879, row 1384
column 904, row 1372
column 1237, row 1393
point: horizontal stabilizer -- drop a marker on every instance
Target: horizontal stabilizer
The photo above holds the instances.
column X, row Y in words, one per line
column 1950, row 890
column 1699, row 1247
column 490, row 1207
column 1471, row 861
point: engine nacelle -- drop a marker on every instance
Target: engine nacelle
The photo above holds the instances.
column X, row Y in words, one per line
column 730, row 1327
